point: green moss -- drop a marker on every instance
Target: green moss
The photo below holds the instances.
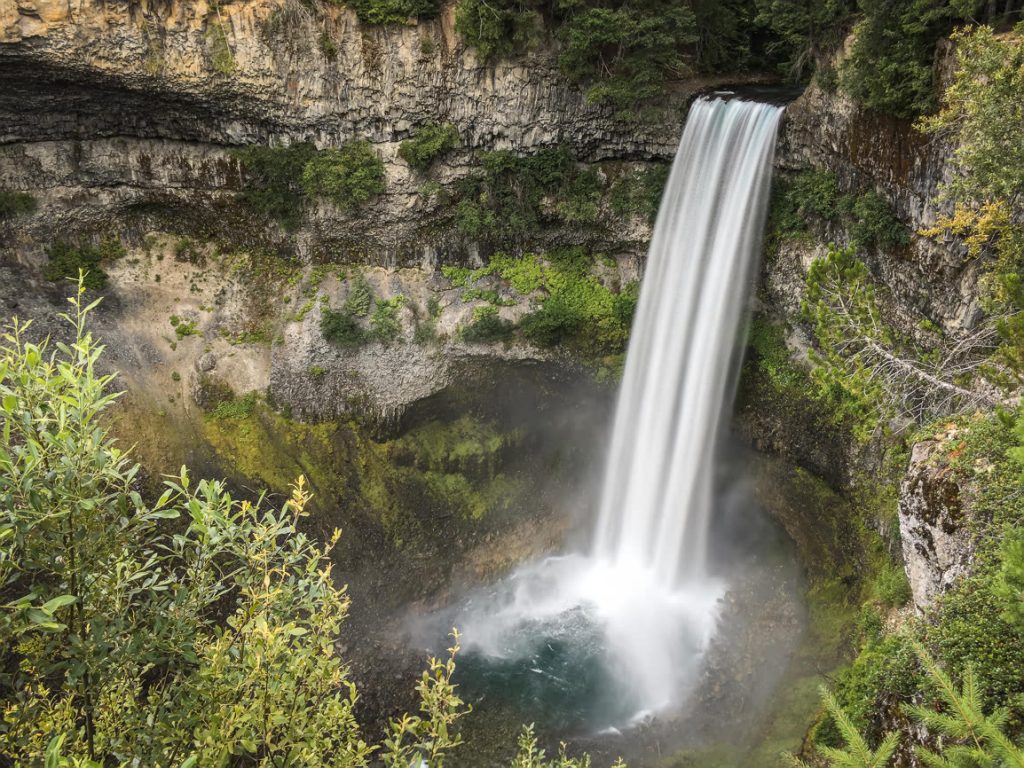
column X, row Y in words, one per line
column 435, row 470
column 577, row 309
column 487, row 326
column 66, row 260
column 770, row 357
column 638, row 192
column 348, row 177
column 428, row 144
column 236, row 408
column 222, row 58
column 394, row 11
column 16, row 203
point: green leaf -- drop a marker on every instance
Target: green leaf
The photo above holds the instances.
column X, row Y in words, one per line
column 10, row 403
column 53, row 751
column 51, row 606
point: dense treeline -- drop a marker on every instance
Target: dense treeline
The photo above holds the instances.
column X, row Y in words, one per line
column 627, row 52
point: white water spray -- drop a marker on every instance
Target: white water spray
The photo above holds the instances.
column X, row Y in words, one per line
column 646, row 583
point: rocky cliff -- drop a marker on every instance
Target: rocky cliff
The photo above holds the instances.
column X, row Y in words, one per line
column 124, row 112
column 123, row 116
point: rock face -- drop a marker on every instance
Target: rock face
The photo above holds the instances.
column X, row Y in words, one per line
column 122, row 114
column 866, row 151
column 937, row 545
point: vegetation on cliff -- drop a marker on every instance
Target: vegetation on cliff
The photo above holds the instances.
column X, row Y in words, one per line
column 958, row 668
column 195, row 629
column 281, row 181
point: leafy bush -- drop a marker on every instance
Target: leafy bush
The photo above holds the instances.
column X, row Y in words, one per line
column 15, row 203
column 873, row 223
column 983, row 113
column 555, row 322
column 360, row 296
column 279, row 180
column 639, row 192
column 813, row 196
column 66, row 260
column 273, row 179
column 626, row 53
column 497, row 27
column 345, row 326
column 197, row 627
column 183, row 328
column 487, row 326
column 348, row 177
column 430, row 142
column 341, row 327
column 504, row 199
column 385, row 324
column 578, row 309
column 394, row 11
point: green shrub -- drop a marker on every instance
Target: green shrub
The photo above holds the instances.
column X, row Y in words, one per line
column 385, row 324
column 873, row 222
column 497, row 27
column 509, row 197
column 982, row 118
column 626, row 54
column 891, row 586
column 554, row 323
column 16, row 203
column 394, row 11
column 813, row 196
column 196, row 629
column 328, row 45
column 222, row 58
column 890, row 66
column 360, row 297
column 430, row 142
column 525, row 274
column 487, row 326
column 347, row 177
column 638, row 192
column 273, row 180
column 66, row 260
column 581, row 198
column 341, row 327
column 183, row 328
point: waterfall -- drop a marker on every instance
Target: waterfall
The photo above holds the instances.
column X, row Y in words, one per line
column 643, row 604
column 656, row 503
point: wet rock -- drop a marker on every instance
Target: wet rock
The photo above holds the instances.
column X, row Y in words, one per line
column 937, row 544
